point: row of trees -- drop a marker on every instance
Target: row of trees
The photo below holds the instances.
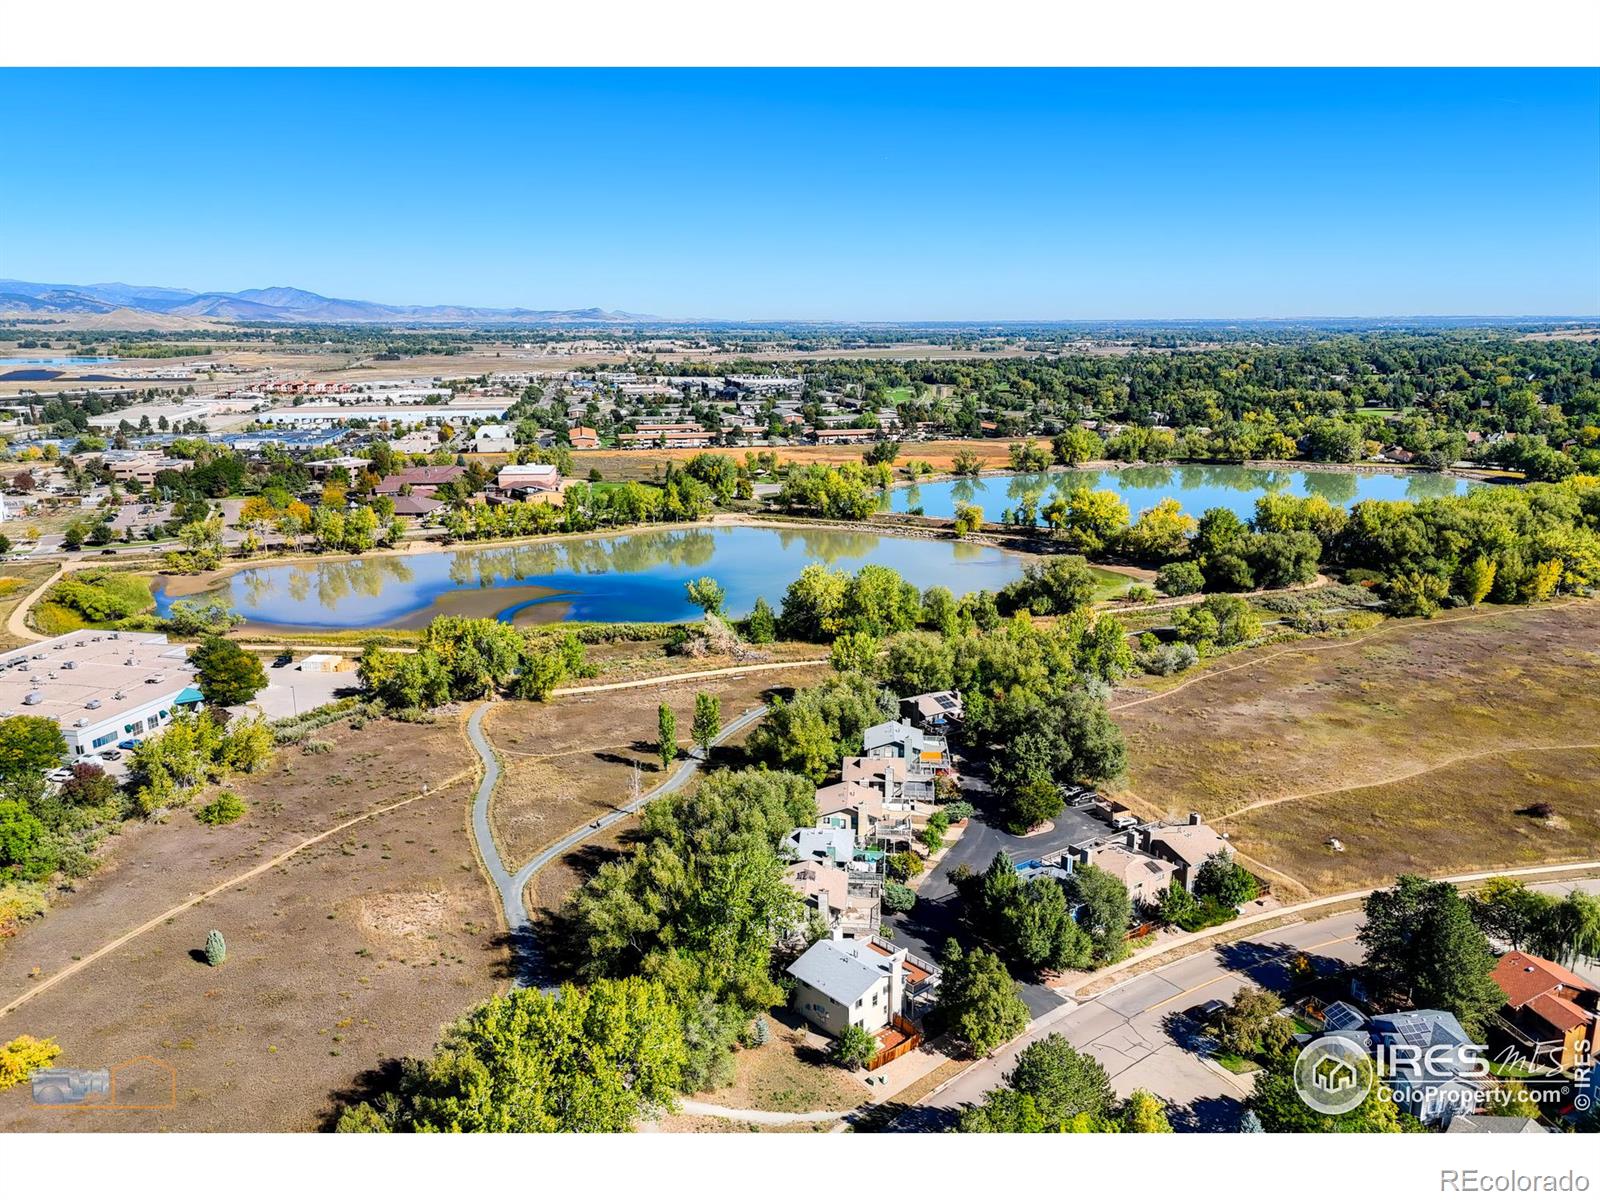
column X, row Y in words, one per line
column 1046, row 924
column 467, row 658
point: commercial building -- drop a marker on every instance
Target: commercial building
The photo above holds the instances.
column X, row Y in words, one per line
column 101, row 688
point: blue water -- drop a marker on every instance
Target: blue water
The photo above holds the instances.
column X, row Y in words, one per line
column 631, row 577
column 1196, row 488
column 69, row 361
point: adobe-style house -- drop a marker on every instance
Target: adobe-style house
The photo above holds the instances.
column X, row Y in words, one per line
column 1550, row 1013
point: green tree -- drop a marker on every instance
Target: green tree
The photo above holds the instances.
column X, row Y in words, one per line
column 1028, row 924
column 585, row 1060
column 706, row 594
column 968, row 519
column 666, row 735
column 853, row 1049
column 1105, row 909
column 1052, row 1084
column 226, row 673
column 977, row 1001
column 29, row 746
column 854, row 652
column 1278, row 1107
column 1421, row 940
column 1415, row 593
column 1225, row 881
column 1252, row 1025
column 1076, row 445
column 1477, row 580
column 216, row 948
column 1180, row 579
column 707, row 720
column 761, row 627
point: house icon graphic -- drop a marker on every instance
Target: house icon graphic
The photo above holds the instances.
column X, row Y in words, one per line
column 1335, row 1075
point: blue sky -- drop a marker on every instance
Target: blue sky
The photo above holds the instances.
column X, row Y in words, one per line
column 869, row 195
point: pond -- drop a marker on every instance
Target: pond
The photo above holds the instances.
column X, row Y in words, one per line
column 630, row 577
column 68, row 361
column 1196, row 488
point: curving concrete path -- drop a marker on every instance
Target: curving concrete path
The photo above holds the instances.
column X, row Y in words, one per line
column 511, row 885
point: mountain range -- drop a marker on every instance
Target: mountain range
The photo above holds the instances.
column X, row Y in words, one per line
column 287, row 304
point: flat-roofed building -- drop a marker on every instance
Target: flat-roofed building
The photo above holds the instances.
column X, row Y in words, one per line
column 101, row 688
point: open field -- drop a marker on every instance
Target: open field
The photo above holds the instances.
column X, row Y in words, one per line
column 571, row 760
column 17, row 581
column 615, row 465
column 1414, row 745
column 348, row 953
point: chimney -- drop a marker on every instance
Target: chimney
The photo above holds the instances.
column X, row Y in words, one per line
column 897, row 982
column 822, row 904
column 837, row 933
column 1132, row 838
column 1194, row 818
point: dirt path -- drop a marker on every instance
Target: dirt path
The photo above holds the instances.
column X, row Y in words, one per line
column 1319, row 647
column 276, row 860
column 1497, row 752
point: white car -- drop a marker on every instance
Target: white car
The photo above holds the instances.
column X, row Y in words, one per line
column 60, row 775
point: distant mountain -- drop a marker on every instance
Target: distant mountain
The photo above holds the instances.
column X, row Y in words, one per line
column 285, row 304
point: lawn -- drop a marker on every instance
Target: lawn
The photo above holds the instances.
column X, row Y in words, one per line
column 1411, row 745
column 789, row 1074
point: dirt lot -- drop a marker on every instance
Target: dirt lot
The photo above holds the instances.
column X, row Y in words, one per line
column 617, row 465
column 351, row 952
column 571, row 760
column 1402, row 743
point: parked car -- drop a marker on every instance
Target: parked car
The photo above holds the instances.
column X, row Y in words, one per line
column 130, row 744
column 111, row 755
column 1201, row 1014
column 60, row 775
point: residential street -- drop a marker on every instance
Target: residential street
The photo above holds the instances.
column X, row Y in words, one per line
column 1137, row 1032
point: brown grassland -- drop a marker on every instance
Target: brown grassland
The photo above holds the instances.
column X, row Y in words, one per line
column 624, row 465
column 1415, row 745
column 349, row 953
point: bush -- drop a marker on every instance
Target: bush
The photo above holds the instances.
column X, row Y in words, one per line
column 224, row 810
column 19, row 904
column 760, row 1031
column 316, row 746
column 854, row 1048
column 216, row 948
column 961, row 810
column 21, row 1056
column 897, row 897
column 1180, row 579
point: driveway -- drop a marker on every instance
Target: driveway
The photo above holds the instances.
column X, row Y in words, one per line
column 936, row 917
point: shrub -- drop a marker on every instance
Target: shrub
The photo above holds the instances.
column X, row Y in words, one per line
column 224, row 810
column 760, row 1031
column 23, row 1055
column 1180, row 579
column 897, row 897
column 316, row 746
column 216, row 948
column 959, row 811
column 20, row 903
column 854, row 1048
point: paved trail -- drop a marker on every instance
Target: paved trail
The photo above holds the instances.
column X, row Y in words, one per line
column 512, row 885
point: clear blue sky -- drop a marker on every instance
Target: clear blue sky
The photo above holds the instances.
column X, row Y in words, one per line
column 899, row 195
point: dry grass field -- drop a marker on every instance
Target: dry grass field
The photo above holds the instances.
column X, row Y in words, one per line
column 1414, row 745
column 624, row 465
column 569, row 761
column 349, row 953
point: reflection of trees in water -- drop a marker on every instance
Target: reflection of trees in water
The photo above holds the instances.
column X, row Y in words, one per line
column 1030, row 488
column 965, row 551
column 1429, row 487
column 828, row 545
column 965, row 490
column 1336, row 487
column 913, row 497
column 331, row 581
column 584, row 556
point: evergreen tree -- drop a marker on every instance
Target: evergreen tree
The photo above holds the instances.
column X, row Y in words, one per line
column 216, row 948
column 666, row 735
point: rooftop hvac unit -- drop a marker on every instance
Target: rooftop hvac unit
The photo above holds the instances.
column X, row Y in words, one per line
column 113, row 636
column 79, row 723
column 119, row 695
column 33, row 698
column 155, row 678
column 70, row 665
column 95, row 703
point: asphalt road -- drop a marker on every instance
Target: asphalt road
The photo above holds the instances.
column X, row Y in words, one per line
column 1137, row 1032
column 936, row 916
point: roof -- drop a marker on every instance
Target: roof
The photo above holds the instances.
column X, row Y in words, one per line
column 810, row 878
column 1130, row 866
column 1193, row 844
column 841, row 971
column 420, row 477
column 836, row 844
column 416, row 506
column 1524, row 976
column 849, row 795
column 862, row 769
column 1475, row 1123
column 1340, row 1016
column 111, row 673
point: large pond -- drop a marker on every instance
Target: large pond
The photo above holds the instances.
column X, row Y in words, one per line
column 68, row 361
column 1196, row 488
column 632, row 577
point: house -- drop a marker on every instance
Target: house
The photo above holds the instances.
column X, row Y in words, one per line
column 101, row 688
column 1475, row 1123
column 494, row 439
column 892, row 777
column 528, row 480
column 922, row 752
column 583, row 438
column 1144, row 875
column 1186, row 846
column 1432, row 1067
column 846, row 900
column 932, row 710
column 1550, row 1013
column 418, row 480
column 416, row 505
column 822, row 844
column 864, row 982
column 851, row 805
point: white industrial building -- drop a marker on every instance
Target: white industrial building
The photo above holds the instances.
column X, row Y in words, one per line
column 494, row 439
column 101, row 688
